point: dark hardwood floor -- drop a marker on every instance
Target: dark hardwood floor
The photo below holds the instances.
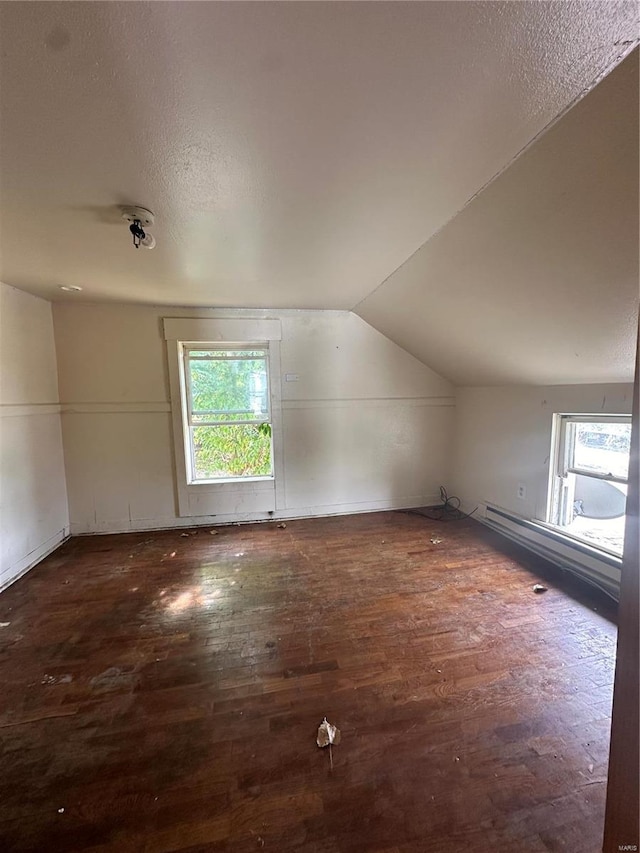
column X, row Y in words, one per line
column 162, row 692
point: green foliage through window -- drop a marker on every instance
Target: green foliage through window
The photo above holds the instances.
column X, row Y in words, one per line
column 229, row 417
column 230, row 450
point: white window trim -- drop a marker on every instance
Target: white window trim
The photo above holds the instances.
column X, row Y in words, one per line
column 562, row 469
column 558, row 469
column 235, row 497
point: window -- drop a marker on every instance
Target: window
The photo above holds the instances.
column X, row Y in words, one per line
column 588, row 490
column 227, row 412
column 226, row 415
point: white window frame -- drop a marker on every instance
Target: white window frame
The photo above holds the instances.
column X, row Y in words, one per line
column 238, row 498
column 559, row 500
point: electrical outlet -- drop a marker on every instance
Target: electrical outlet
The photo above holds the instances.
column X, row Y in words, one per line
column 521, row 492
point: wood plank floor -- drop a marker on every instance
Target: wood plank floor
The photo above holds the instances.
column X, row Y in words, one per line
column 161, row 692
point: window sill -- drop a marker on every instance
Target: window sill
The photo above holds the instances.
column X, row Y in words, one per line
column 579, row 544
column 222, row 482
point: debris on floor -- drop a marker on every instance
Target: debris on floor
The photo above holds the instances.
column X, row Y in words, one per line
column 114, row 678
column 537, row 587
column 185, row 534
column 4, row 624
column 57, row 679
column 213, row 532
column 282, row 526
column 436, row 540
column 60, row 811
column 328, row 735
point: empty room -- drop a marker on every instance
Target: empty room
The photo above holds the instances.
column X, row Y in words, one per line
column 319, row 427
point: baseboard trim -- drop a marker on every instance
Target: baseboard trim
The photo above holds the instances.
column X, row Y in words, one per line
column 149, row 524
column 601, row 571
column 30, row 560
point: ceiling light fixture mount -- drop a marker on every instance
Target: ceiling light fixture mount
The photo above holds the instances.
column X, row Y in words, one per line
column 139, row 218
column 70, row 288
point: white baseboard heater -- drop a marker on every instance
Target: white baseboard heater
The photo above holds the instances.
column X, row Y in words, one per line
column 590, row 564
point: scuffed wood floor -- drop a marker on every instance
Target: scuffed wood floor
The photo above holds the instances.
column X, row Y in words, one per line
column 165, row 692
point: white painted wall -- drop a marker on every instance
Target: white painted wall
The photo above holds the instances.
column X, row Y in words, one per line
column 366, row 426
column 535, row 281
column 503, row 438
column 34, row 515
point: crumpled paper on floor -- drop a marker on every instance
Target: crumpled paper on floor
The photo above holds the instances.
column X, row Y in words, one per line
column 328, row 735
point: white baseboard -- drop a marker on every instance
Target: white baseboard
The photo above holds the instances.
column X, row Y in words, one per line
column 579, row 559
column 169, row 522
column 11, row 574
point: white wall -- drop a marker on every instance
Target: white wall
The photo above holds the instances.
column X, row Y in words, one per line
column 366, row 426
column 33, row 499
column 535, row 281
column 503, row 438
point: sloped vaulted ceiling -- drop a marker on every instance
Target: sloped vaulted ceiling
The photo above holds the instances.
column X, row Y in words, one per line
column 298, row 154
column 536, row 280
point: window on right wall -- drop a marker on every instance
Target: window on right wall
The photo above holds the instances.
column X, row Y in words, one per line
column 589, row 478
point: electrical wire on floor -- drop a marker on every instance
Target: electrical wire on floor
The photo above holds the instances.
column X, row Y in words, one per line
column 447, row 510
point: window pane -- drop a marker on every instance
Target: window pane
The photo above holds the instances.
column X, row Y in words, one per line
column 598, row 512
column 229, row 389
column 601, row 447
column 234, row 450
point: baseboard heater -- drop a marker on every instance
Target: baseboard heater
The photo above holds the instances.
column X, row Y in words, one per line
column 593, row 566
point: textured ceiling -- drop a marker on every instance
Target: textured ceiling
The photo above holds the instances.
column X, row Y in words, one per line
column 536, row 281
column 295, row 154
column 299, row 155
